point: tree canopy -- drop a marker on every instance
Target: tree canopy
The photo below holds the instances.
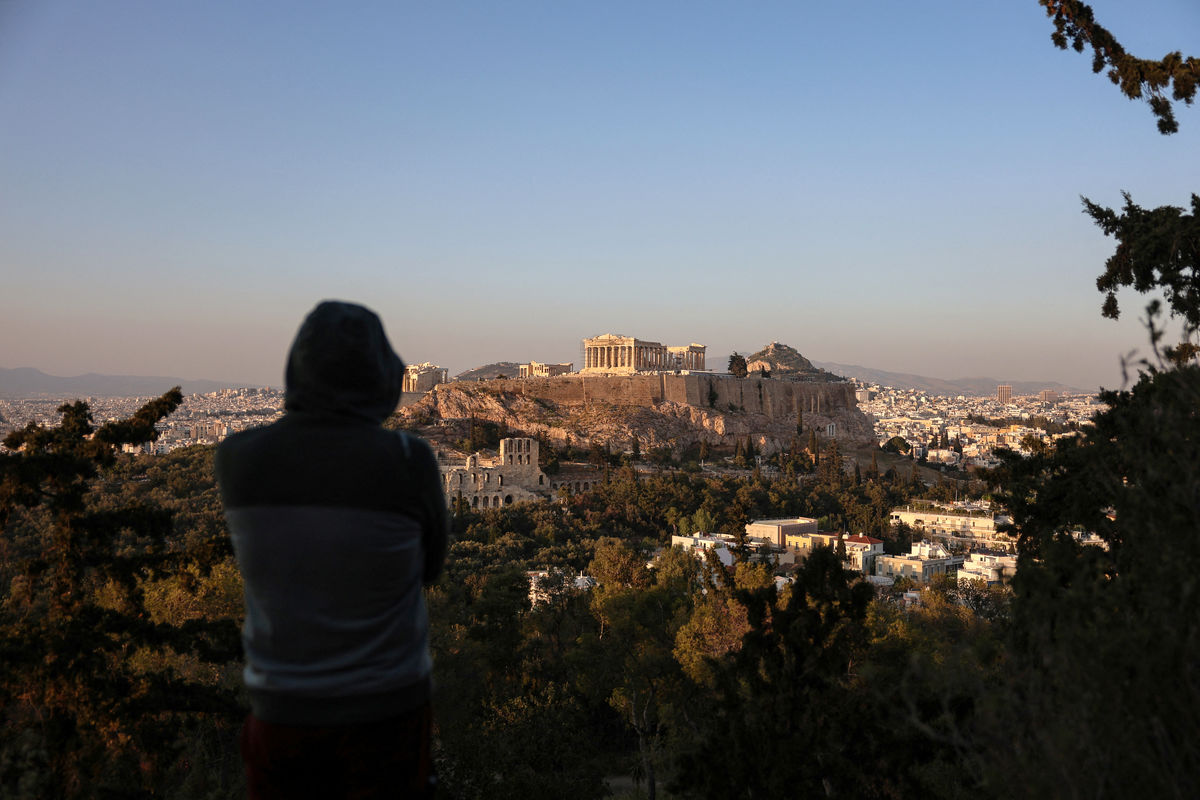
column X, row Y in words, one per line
column 98, row 680
column 1075, row 26
column 737, row 365
column 1157, row 249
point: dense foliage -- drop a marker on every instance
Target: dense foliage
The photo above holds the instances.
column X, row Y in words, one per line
column 106, row 688
column 656, row 669
column 118, row 651
column 1102, row 629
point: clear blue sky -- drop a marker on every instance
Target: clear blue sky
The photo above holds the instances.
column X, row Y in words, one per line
column 888, row 184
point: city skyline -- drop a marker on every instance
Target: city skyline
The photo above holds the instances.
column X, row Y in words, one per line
column 892, row 187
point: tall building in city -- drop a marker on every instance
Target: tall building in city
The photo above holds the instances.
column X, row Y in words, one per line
column 1004, row 393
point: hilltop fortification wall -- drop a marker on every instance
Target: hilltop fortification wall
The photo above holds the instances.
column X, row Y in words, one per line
column 773, row 398
column 662, row 410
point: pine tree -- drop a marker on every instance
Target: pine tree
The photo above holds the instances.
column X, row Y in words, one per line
column 1075, row 26
column 81, row 713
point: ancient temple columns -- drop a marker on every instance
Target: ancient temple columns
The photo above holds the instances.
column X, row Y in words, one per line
column 625, row 354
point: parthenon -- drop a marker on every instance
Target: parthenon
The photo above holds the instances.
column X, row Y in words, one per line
column 611, row 354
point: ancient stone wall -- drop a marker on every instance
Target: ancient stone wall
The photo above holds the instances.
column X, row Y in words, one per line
column 489, row 483
column 663, row 410
column 411, row 398
column 772, row 397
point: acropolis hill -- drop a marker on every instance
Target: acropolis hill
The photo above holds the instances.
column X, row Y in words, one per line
column 663, row 409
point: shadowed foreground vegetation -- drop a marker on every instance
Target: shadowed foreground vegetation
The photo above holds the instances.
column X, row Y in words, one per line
column 119, row 657
column 120, row 669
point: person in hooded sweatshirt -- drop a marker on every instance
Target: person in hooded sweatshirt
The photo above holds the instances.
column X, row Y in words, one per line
column 337, row 525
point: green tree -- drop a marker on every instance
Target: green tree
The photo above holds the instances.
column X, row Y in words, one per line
column 1157, row 250
column 719, row 619
column 89, row 710
column 829, row 470
column 639, row 637
column 737, row 366
column 703, row 522
column 1096, row 624
column 1102, row 607
column 927, row 674
column 511, row 723
column 618, row 565
column 1075, row 26
column 626, row 660
column 785, row 691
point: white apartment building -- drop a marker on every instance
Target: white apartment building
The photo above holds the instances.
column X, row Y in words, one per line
column 964, row 524
column 923, row 562
column 990, row 567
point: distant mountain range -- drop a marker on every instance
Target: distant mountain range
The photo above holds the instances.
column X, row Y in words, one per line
column 969, row 387
column 29, row 382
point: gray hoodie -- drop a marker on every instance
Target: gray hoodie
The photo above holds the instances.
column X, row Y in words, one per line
column 336, row 524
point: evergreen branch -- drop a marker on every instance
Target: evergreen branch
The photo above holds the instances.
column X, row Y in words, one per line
column 1075, row 27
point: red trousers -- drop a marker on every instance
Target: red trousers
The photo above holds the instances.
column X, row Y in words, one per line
column 387, row 758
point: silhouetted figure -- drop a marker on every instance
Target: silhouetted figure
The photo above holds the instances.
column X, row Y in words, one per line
column 336, row 523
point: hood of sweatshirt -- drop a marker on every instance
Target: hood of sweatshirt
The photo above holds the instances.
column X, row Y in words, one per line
column 341, row 364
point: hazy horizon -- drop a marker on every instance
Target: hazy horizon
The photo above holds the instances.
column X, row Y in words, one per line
column 279, row 384
column 888, row 186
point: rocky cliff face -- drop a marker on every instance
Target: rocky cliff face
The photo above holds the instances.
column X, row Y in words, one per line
column 529, row 408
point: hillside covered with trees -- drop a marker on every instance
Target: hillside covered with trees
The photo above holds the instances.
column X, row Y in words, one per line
column 119, row 655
